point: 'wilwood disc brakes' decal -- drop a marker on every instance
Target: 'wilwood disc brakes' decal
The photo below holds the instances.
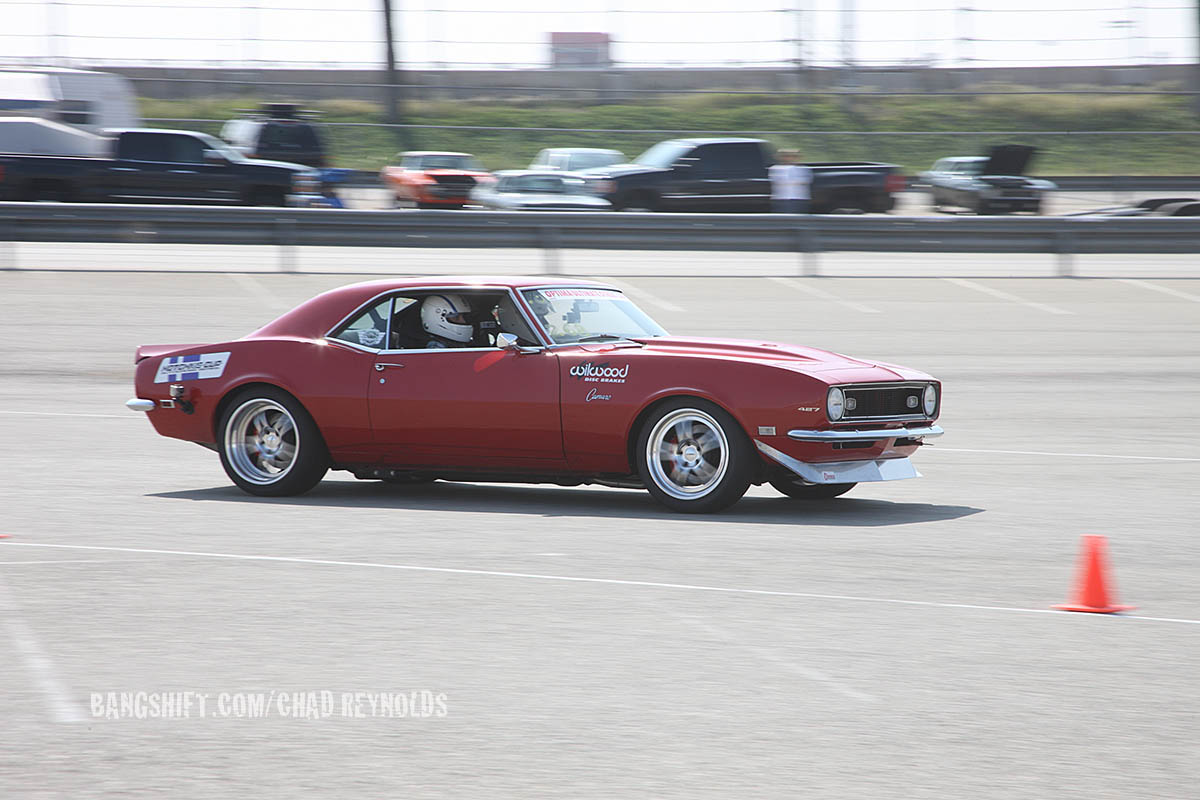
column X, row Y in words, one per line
column 600, row 373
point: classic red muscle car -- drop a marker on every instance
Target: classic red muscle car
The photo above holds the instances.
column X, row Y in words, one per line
column 531, row 380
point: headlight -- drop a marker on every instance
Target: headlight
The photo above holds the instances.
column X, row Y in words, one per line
column 835, row 404
column 930, row 399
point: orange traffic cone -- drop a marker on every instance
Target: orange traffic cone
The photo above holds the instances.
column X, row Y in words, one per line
column 1091, row 583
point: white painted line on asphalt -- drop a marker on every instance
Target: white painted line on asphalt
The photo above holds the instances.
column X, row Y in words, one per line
column 642, row 294
column 69, row 414
column 1061, row 455
column 1154, row 287
column 68, row 561
column 564, row 578
column 824, row 295
column 1012, row 298
column 37, row 662
column 790, row 666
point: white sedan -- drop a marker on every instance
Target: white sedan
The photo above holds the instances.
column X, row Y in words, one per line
column 521, row 190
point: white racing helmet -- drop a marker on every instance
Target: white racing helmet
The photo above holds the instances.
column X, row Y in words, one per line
column 444, row 315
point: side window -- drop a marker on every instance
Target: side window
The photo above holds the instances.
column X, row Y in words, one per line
column 369, row 329
column 185, row 150
column 509, row 320
column 142, row 147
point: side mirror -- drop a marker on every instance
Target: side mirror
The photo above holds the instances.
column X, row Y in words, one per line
column 508, row 341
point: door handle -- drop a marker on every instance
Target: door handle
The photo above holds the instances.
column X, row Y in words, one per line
column 380, row 366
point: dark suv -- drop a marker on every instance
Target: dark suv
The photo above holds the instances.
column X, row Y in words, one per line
column 277, row 132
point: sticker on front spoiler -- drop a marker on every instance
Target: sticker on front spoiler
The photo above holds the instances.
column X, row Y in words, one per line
column 191, row 368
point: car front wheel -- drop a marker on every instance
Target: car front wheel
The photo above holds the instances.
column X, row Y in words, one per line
column 693, row 457
column 270, row 446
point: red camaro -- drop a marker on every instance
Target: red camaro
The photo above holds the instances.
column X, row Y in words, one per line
column 531, row 380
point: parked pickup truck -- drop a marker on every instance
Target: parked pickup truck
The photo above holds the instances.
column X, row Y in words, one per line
column 731, row 175
column 151, row 165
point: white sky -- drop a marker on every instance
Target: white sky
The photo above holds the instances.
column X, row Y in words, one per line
column 513, row 33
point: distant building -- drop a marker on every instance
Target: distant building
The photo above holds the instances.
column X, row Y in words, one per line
column 579, row 50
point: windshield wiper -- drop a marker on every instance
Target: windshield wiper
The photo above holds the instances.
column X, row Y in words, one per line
column 596, row 337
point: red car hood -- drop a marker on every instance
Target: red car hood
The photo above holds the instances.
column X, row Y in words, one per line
column 832, row 368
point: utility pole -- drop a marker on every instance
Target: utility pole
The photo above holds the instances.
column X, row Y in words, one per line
column 1196, row 74
column 801, row 33
column 391, row 92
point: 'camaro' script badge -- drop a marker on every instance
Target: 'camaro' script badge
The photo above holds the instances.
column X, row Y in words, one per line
column 595, row 395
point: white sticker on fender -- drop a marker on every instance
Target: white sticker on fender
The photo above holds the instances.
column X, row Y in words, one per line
column 191, row 368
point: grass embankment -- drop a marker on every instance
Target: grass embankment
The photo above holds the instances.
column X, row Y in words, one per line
column 860, row 123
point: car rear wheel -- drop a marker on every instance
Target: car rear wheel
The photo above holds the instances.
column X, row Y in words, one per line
column 693, row 457
column 270, row 446
column 792, row 486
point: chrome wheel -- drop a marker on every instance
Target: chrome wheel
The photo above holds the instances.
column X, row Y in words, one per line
column 261, row 441
column 687, row 454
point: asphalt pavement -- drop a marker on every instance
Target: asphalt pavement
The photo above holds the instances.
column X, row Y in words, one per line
column 896, row 642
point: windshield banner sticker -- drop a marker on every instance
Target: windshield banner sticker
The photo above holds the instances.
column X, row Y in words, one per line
column 558, row 294
column 192, row 368
column 599, row 373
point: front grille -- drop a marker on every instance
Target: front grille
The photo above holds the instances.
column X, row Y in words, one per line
column 875, row 402
column 457, row 181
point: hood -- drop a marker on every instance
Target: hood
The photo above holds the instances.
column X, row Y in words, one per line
column 824, row 365
column 618, row 170
column 1008, row 159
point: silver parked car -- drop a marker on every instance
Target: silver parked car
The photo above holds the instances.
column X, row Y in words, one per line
column 991, row 184
column 533, row 190
column 573, row 159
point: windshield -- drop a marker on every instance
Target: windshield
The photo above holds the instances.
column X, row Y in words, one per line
column 663, row 154
column 575, row 314
column 578, row 161
column 442, row 162
column 543, row 184
column 974, row 167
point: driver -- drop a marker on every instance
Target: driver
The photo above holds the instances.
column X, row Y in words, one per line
column 444, row 318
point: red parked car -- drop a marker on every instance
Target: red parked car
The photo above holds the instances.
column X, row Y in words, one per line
column 429, row 179
column 531, row 380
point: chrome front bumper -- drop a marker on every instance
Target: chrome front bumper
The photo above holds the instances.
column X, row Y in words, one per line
column 874, row 435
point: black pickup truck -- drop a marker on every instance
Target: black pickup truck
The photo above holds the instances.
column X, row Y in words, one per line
column 731, row 175
column 151, row 165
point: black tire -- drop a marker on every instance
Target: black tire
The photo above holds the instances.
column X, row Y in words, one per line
column 286, row 423
column 710, row 446
column 268, row 196
column 639, row 200
column 793, row 487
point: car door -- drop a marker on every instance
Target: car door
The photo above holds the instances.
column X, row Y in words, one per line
column 199, row 179
column 469, row 408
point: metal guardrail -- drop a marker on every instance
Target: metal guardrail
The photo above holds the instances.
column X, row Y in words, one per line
column 808, row 235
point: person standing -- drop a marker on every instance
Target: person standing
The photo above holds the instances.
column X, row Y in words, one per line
column 791, row 184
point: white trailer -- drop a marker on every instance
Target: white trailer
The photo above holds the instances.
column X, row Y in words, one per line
column 88, row 100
